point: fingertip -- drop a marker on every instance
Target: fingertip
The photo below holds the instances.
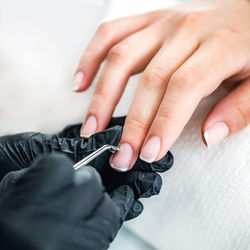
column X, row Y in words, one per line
column 115, row 167
column 205, row 139
column 215, row 134
column 89, row 127
column 123, row 194
column 215, row 128
column 157, row 185
column 135, row 210
column 155, row 188
column 78, row 80
column 81, row 81
column 230, row 115
column 122, row 160
column 151, row 149
column 150, row 160
column 88, row 176
column 145, row 184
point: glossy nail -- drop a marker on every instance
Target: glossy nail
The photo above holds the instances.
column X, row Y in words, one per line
column 216, row 133
column 78, row 79
column 89, row 127
column 121, row 160
column 151, row 149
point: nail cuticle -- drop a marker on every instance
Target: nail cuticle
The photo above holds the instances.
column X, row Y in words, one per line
column 122, row 159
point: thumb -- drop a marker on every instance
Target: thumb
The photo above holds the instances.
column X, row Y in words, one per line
column 228, row 116
column 46, row 176
column 9, row 181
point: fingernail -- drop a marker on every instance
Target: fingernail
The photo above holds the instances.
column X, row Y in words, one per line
column 89, row 127
column 79, row 76
column 151, row 149
column 216, row 133
column 122, row 159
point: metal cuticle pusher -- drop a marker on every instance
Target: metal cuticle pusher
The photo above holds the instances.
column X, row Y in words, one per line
column 95, row 154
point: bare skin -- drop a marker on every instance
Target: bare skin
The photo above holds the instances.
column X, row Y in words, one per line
column 185, row 53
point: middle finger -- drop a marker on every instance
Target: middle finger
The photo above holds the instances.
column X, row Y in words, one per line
column 149, row 94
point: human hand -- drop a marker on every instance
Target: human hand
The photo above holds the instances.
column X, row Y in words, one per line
column 19, row 151
column 50, row 206
column 186, row 52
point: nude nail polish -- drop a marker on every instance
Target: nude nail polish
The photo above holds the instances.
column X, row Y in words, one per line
column 216, row 133
column 89, row 127
column 122, row 159
column 151, row 149
column 78, row 79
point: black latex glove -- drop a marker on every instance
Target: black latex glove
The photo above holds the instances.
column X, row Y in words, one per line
column 18, row 151
column 53, row 207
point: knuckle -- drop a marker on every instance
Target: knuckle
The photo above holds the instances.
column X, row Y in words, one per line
column 224, row 35
column 191, row 19
column 164, row 117
column 224, row 40
column 117, row 53
column 185, row 80
column 105, row 29
column 90, row 54
column 99, row 92
column 165, row 20
column 101, row 99
column 136, row 124
column 155, row 78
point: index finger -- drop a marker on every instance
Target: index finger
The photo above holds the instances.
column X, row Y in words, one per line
column 148, row 96
column 107, row 35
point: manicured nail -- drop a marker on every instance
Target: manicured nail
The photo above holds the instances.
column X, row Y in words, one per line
column 151, row 149
column 78, row 79
column 89, row 127
column 121, row 160
column 216, row 133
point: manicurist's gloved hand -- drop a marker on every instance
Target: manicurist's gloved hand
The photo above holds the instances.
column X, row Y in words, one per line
column 19, row 151
column 50, row 206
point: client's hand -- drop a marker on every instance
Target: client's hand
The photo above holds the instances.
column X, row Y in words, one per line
column 49, row 206
column 185, row 52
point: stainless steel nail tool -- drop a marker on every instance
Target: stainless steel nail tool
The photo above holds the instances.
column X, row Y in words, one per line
column 93, row 155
